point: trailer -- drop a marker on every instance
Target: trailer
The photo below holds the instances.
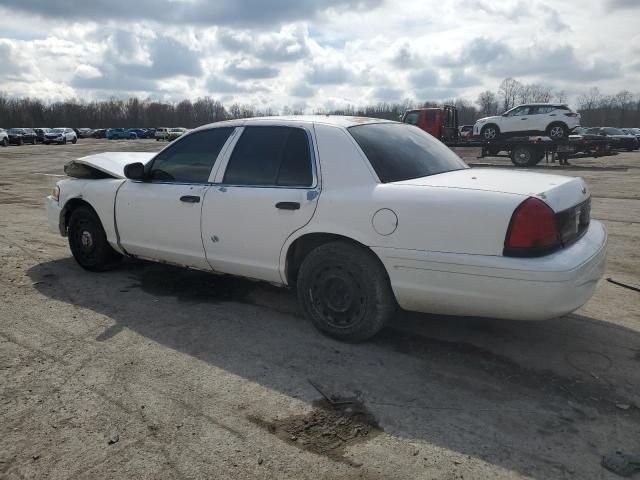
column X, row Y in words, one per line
column 524, row 151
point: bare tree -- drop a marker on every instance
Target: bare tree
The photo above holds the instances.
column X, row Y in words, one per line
column 508, row 91
column 488, row 103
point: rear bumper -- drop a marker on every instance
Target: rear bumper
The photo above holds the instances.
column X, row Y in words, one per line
column 500, row 287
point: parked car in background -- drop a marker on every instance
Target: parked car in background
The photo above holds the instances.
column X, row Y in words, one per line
column 140, row 132
column 99, row 133
column 632, row 131
column 551, row 119
column 618, row 139
column 505, row 244
column 160, row 133
column 61, row 136
column 465, row 132
column 84, row 132
column 4, row 137
column 174, row 133
column 120, row 134
column 18, row 136
column 40, row 133
column 589, row 143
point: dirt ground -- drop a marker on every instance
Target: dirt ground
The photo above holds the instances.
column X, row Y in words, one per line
column 151, row 371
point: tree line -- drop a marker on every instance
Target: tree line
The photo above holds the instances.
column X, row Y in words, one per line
column 597, row 109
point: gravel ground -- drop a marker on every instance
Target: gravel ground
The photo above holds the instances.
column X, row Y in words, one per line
column 150, row 371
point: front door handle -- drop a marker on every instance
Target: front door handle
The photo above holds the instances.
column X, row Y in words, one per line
column 523, row 119
column 288, row 205
column 190, row 199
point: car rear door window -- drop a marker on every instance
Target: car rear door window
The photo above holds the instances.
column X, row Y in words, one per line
column 190, row 159
column 271, row 156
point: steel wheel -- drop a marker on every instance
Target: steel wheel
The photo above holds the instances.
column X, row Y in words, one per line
column 337, row 296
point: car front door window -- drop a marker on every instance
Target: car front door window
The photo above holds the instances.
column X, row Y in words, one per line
column 190, row 159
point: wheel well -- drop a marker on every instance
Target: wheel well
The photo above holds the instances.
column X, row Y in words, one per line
column 68, row 209
column 557, row 122
column 490, row 125
column 302, row 246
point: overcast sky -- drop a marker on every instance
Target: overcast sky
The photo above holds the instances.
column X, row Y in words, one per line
column 314, row 53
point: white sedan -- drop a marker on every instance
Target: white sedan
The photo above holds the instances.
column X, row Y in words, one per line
column 361, row 215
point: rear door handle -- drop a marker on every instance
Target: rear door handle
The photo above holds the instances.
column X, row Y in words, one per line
column 190, row 199
column 288, row 205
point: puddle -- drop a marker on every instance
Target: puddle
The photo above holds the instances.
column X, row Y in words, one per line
column 327, row 430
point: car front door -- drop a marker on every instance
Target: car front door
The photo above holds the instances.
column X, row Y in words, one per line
column 159, row 218
column 516, row 121
column 266, row 189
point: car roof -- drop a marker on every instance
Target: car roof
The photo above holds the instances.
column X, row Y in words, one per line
column 334, row 120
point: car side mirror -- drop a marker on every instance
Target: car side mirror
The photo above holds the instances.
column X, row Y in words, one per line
column 134, row 171
column 504, row 115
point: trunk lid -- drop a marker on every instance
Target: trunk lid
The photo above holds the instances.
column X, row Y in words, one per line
column 557, row 191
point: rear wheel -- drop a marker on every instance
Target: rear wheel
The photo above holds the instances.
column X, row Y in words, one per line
column 345, row 291
column 490, row 132
column 20, row 141
column 88, row 242
column 5, row 142
column 557, row 131
column 64, row 141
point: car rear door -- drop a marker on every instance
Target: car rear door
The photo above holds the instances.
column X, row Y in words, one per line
column 266, row 189
column 160, row 218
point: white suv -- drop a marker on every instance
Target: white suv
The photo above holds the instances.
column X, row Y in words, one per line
column 161, row 133
column 4, row 137
column 550, row 119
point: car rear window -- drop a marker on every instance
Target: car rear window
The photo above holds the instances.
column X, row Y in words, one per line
column 399, row 151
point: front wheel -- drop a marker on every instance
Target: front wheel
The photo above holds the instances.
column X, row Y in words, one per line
column 5, row 142
column 88, row 242
column 74, row 141
column 64, row 141
column 345, row 291
column 34, row 141
column 490, row 132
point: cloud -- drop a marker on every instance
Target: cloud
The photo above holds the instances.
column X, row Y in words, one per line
column 559, row 62
column 243, row 70
column 194, row 12
column 327, row 74
column 302, row 90
column 12, row 67
column 87, row 71
column 427, row 77
column 621, row 4
column 404, row 57
column 388, row 94
column 218, row 84
column 287, row 45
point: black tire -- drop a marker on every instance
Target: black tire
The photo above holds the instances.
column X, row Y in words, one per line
column 345, row 291
column 64, row 141
column 88, row 242
column 490, row 132
column 557, row 131
column 34, row 141
column 75, row 140
column 19, row 142
column 5, row 142
column 525, row 156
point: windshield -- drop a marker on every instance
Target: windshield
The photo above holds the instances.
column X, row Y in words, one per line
column 15, row 130
column 57, row 130
column 399, row 151
column 613, row 131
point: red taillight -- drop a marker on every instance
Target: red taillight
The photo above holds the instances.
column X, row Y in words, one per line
column 571, row 114
column 533, row 230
